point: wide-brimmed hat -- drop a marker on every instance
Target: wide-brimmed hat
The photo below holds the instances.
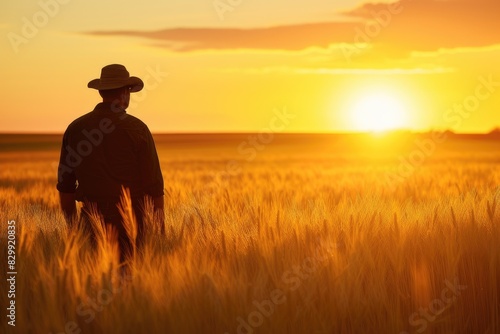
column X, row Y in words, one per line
column 116, row 76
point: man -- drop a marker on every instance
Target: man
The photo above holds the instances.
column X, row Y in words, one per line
column 106, row 150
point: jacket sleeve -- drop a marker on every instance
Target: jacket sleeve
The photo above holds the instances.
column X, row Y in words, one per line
column 150, row 170
column 66, row 178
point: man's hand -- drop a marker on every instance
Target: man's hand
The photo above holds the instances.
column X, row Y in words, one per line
column 68, row 206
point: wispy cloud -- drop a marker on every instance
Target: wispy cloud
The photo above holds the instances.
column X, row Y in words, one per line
column 338, row 71
column 422, row 26
column 296, row 37
column 456, row 51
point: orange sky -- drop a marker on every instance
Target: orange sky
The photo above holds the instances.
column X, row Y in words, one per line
column 212, row 66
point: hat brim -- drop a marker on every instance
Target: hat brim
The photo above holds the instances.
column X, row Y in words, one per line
column 135, row 84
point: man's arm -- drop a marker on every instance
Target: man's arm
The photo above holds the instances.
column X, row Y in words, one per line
column 159, row 211
column 68, row 206
column 66, row 184
column 152, row 178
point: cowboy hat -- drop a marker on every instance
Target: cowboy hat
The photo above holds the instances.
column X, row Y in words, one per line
column 116, row 76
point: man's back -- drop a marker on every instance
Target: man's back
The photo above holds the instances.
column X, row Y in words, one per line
column 107, row 149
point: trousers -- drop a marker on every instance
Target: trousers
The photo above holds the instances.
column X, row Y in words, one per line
column 112, row 219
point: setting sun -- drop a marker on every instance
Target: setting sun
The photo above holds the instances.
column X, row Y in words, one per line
column 378, row 111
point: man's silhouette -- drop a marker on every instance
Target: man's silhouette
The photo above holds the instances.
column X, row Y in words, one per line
column 105, row 150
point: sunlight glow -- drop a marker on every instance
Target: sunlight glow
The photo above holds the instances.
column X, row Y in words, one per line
column 378, row 111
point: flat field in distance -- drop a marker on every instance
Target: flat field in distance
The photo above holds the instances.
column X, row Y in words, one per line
column 383, row 233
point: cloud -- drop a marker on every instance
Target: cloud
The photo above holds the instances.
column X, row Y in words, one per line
column 458, row 51
column 428, row 25
column 339, row 71
column 295, row 37
column 421, row 26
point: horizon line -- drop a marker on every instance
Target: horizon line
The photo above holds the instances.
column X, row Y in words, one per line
column 387, row 132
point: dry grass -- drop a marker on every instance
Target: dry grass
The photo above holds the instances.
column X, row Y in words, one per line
column 350, row 253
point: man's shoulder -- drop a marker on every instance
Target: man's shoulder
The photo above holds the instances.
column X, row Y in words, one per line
column 136, row 121
column 124, row 121
column 79, row 122
column 136, row 124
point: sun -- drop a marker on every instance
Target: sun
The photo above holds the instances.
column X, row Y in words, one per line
column 378, row 112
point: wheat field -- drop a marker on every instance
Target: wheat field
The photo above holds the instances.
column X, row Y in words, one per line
column 306, row 235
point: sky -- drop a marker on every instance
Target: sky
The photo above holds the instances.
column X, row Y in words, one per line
column 233, row 65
